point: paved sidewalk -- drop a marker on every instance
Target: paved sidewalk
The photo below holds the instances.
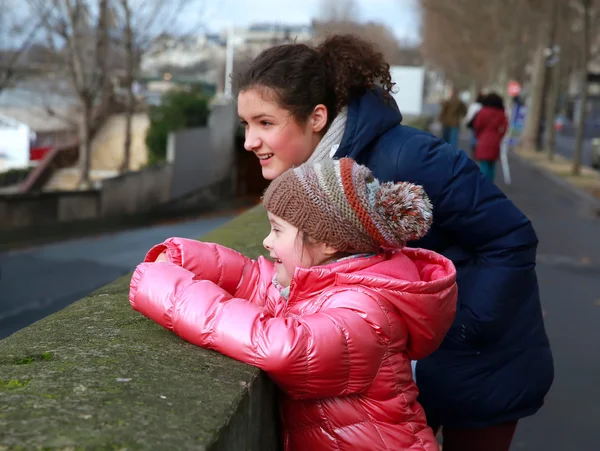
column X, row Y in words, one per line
column 569, row 277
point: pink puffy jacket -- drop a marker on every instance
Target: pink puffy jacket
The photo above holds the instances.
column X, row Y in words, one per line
column 339, row 349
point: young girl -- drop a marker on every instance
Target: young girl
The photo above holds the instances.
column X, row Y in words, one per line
column 334, row 318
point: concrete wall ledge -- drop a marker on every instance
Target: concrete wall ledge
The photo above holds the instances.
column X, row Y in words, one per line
column 98, row 375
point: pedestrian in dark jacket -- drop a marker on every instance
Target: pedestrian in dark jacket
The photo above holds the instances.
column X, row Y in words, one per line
column 451, row 115
column 300, row 103
column 490, row 125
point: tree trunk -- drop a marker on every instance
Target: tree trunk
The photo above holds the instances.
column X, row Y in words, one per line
column 581, row 125
column 85, row 145
column 129, row 110
column 585, row 43
column 534, row 105
column 553, row 84
column 551, row 103
column 129, row 77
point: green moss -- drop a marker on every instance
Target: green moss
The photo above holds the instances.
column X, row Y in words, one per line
column 34, row 358
column 12, row 384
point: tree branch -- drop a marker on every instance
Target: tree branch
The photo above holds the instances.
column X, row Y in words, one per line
column 100, row 72
column 9, row 68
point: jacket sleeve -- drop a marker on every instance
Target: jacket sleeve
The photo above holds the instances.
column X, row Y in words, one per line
column 472, row 212
column 330, row 353
column 208, row 261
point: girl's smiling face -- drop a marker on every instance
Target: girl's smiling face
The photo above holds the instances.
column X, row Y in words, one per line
column 288, row 250
column 274, row 135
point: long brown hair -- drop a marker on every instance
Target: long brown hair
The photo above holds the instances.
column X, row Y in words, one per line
column 301, row 77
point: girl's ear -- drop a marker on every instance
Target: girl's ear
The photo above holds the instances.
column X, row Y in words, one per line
column 328, row 250
column 318, row 118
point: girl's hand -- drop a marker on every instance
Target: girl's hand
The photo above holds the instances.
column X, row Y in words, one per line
column 162, row 258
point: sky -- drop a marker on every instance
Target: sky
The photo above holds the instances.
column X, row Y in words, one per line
column 400, row 15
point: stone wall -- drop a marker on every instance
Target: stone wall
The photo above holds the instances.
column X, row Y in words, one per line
column 98, row 375
column 203, row 156
column 40, row 209
column 136, row 192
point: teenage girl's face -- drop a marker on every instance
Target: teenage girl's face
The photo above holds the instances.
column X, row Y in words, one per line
column 288, row 251
column 273, row 134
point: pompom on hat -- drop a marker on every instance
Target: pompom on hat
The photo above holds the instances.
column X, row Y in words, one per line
column 340, row 203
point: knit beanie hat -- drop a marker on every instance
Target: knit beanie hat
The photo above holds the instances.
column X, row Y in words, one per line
column 340, row 203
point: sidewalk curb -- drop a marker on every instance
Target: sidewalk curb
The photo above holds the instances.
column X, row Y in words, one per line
column 582, row 196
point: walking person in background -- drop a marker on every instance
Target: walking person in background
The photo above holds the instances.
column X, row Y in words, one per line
column 490, row 125
column 451, row 115
column 472, row 111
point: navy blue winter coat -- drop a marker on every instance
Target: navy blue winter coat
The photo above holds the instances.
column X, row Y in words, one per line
column 495, row 363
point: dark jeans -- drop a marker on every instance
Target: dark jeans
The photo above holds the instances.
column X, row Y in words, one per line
column 491, row 438
column 450, row 135
column 473, row 144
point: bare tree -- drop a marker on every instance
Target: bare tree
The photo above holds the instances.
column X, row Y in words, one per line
column 130, row 65
column 450, row 42
column 342, row 17
column 395, row 52
column 79, row 33
column 16, row 37
column 479, row 43
column 141, row 22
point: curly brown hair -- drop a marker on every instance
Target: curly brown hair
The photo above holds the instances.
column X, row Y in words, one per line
column 301, row 77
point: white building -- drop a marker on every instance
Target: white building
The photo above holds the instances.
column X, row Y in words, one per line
column 171, row 51
column 25, row 131
column 258, row 37
column 15, row 137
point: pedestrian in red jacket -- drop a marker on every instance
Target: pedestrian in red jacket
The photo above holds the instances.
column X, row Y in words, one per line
column 490, row 125
column 337, row 315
